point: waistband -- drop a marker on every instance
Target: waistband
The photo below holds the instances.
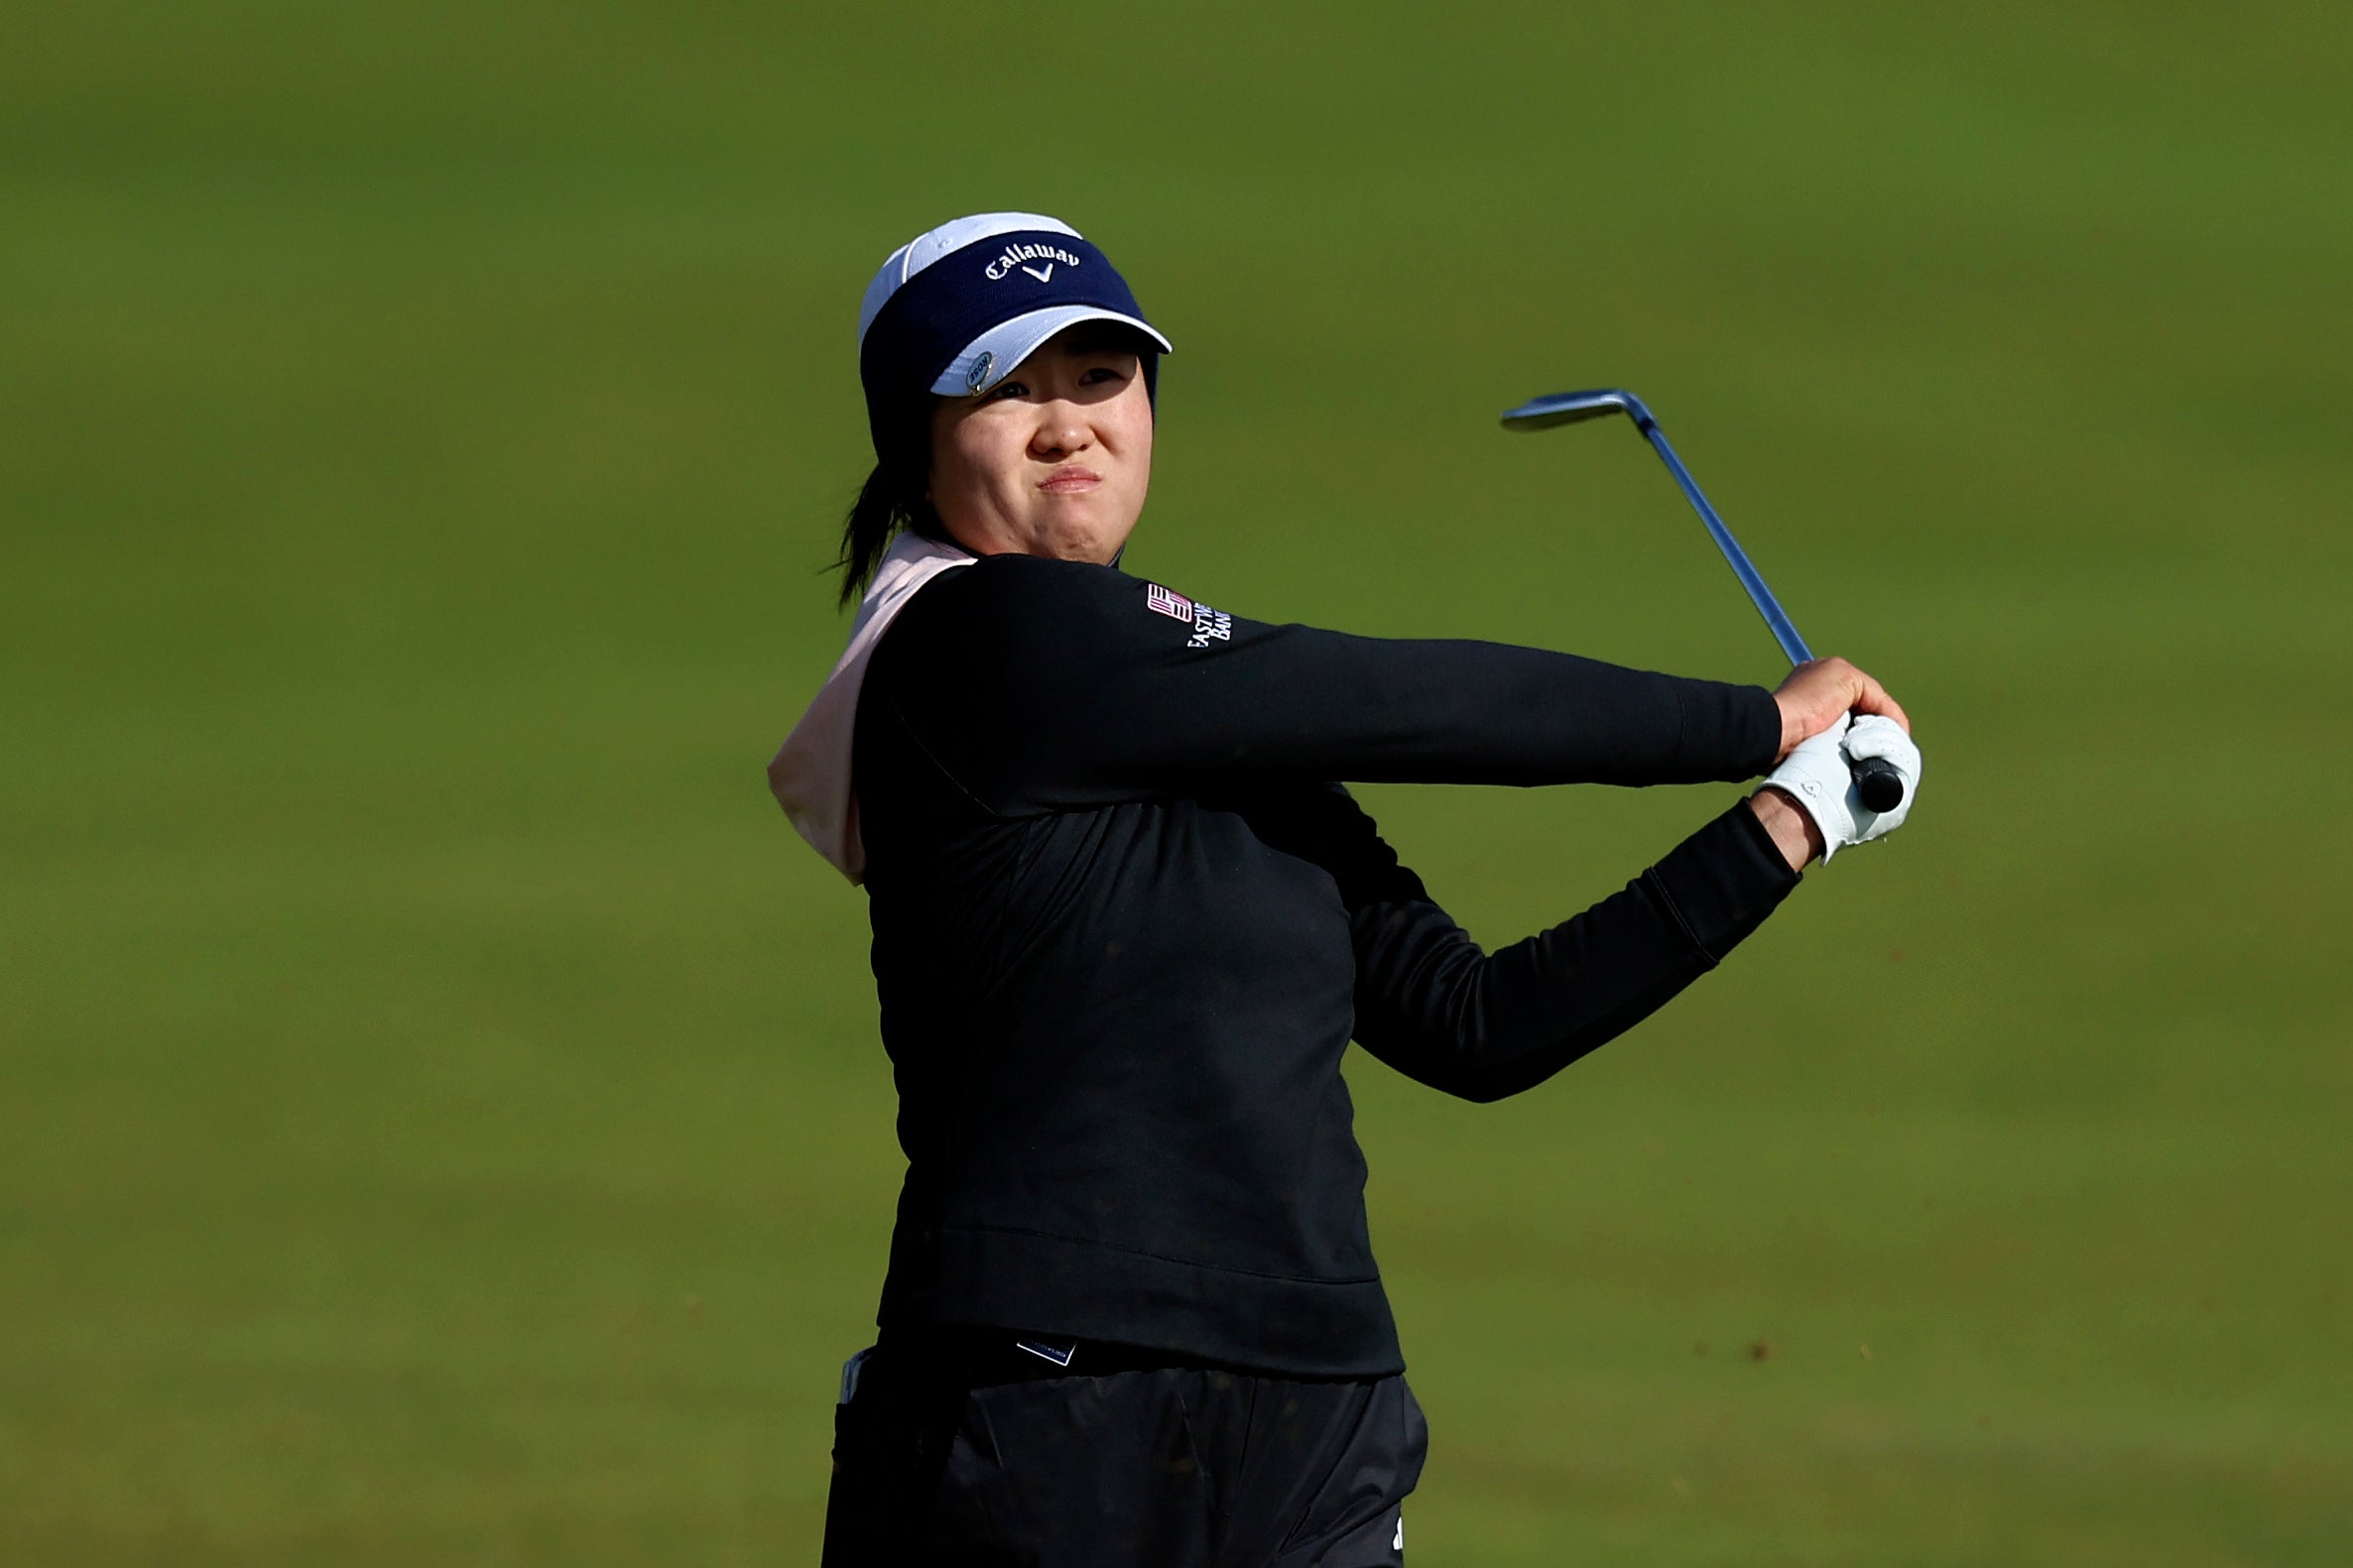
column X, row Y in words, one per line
column 979, row 1358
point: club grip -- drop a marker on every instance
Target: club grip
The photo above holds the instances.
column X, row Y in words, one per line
column 1877, row 784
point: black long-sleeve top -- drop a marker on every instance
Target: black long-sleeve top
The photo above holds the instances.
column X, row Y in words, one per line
column 1125, row 926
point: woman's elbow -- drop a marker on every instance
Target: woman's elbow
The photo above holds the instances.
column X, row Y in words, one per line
column 1490, row 1081
column 1478, row 1085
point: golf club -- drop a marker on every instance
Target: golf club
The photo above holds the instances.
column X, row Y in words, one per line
column 1878, row 786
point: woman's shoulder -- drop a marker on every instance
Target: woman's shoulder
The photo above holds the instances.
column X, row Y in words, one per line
column 1040, row 576
column 1009, row 602
column 1002, row 619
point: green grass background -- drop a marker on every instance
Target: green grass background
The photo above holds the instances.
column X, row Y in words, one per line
column 441, row 1119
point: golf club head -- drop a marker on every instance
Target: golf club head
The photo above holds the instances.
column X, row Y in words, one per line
column 1573, row 408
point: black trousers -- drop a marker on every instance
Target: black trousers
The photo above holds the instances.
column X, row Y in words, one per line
column 977, row 1453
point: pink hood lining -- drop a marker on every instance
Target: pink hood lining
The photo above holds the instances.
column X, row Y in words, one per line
column 810, row 772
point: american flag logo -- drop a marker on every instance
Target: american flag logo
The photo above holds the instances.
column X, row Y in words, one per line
column 1176, row 606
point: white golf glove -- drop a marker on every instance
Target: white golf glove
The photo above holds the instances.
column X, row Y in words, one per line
column 1816, row 776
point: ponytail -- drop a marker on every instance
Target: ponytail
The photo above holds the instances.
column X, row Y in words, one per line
column 890, row 500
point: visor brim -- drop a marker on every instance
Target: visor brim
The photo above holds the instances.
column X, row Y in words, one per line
column 1008, row 343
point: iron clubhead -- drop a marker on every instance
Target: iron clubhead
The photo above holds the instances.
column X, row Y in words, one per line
column 1573, row 408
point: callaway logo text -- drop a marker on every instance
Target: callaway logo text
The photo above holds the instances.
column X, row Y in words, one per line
column 1018, row 255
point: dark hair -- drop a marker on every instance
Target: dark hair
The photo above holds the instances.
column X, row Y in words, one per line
column 886, row 505
column 890, row 500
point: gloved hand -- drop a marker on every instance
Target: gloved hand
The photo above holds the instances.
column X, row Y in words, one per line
column 1816, row 776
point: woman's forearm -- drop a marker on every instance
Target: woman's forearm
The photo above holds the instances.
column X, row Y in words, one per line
column 1793, row 833
column 1434, row 1006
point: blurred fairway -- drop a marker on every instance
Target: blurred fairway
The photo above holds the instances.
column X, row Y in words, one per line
column 441, row 1119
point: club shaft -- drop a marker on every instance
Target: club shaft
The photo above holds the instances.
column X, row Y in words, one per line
column 1759, row 596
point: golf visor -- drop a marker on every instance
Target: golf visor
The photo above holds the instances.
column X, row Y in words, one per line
column 954, row 310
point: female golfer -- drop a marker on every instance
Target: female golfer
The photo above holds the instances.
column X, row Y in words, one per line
column 1126, row 921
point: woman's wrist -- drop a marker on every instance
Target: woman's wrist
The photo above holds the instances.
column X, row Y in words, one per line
column 1791, row 829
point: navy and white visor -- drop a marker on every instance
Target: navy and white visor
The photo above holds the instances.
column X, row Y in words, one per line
column 954, row 310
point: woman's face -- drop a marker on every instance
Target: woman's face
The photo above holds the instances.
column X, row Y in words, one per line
column 1055, row 459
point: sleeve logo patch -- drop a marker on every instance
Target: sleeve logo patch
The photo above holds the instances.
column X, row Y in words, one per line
column 1208, row 626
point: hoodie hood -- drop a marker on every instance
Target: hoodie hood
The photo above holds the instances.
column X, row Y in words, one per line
column 810, row 772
